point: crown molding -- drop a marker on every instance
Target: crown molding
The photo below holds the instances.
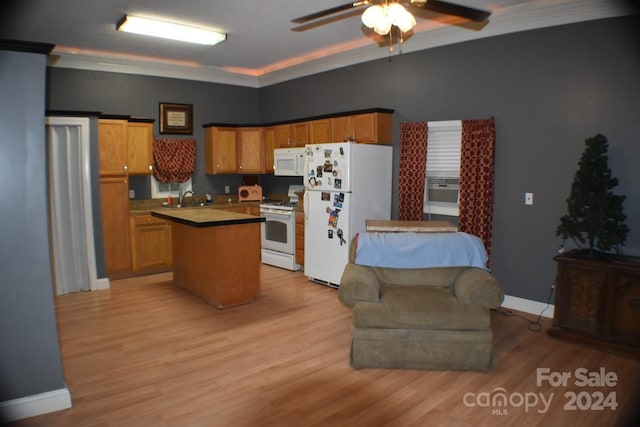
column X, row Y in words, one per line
column 521, row 17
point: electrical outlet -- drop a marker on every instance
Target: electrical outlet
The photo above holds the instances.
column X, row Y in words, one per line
column 528, row 199
column 132, row 194
column 227, row 190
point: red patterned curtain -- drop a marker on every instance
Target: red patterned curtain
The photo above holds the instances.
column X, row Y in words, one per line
column 412, row 174
column 476, row 179
column 174, row 159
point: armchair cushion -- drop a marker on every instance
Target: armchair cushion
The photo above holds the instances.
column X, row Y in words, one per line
column 476, row 286
column 419, row 307
column 362, row 285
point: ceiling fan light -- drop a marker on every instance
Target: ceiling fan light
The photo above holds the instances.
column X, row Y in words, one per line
column 383, row 27
column 406, row 22
column 373, row 15
column 396, row 11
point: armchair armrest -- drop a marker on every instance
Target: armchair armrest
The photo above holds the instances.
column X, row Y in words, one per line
column 479, row 287
column 358, row 283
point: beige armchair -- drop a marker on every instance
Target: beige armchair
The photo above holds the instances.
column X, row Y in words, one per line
column 420, row 318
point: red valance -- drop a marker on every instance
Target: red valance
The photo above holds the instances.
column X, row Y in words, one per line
column 174, row 159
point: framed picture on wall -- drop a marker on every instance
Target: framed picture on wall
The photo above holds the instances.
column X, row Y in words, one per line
column 176, row 118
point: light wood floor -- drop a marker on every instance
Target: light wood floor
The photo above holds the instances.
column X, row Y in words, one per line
column 146, row 353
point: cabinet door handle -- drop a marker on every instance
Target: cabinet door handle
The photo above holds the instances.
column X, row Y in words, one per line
column 126, row 168
column 151, row 167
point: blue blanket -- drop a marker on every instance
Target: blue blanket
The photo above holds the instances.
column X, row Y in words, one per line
column 420, row 250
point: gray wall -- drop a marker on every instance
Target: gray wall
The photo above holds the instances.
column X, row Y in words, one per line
column 30, row 360
column 548, row 90
column 131, row 95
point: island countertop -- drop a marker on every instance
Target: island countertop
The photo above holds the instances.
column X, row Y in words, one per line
column 205, row 216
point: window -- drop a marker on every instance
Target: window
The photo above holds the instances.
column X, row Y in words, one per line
column 161, row 190
column 441, row 190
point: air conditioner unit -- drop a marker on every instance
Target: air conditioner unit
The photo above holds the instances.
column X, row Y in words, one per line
column 442, row 196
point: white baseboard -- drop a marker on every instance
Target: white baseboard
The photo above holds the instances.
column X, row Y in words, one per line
column 37, row 404
column 102, row 284
column 528, row 306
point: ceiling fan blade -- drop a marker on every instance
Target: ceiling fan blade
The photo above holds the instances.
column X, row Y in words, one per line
column 326, row 20
column 447, row 8
column 330, row 11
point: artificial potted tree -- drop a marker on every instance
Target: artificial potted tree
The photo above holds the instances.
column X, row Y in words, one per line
column 597, row 292
column 595, row 217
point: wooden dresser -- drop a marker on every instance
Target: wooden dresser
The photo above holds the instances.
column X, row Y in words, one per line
column 598, row 302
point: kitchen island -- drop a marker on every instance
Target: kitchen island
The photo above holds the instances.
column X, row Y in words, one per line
column 216, row 253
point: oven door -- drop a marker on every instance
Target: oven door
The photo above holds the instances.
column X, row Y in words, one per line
column 278, row 230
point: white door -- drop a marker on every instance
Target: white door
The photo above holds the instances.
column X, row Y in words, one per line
column 71, row 216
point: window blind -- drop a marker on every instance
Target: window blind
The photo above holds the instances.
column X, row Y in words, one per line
column 443, row 148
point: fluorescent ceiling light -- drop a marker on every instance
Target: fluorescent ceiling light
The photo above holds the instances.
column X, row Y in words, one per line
column 169, row 30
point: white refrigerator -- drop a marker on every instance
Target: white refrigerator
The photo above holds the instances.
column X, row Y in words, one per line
column 345, row 184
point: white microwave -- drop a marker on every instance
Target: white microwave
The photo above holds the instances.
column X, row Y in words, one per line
column 288, row 161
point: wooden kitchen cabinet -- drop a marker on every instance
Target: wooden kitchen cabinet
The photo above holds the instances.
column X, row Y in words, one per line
column 150, row 243
column 220, row 150
column 275, row 137
column 598, row 302
column 373, row 128
column 269, row 146
column 300, row 134
column 114, row 196
column 320, row 131
column 342, row 128
column 250, row 150
column 230, row 150
column 300, row 237
column 140, row 148
column 112, row 142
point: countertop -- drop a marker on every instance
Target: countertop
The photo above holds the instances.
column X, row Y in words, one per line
column 140, row 206
column 148, row 205
column 206, row 216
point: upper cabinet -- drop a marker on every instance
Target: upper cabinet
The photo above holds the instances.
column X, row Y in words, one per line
column 125, row 147
column 300, row 134
column 373, row 128
column 342, row 128
column 220, row 150
column 231, row 149
column 140, row 148
column 320, row 131
column 112, row 139
column 251, row 150
column 366, row 128
column 274, row 137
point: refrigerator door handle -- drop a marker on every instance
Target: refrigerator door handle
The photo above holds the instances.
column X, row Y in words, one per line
column 305, row 196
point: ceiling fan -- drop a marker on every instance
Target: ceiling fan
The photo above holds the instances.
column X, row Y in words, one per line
column 384, row 15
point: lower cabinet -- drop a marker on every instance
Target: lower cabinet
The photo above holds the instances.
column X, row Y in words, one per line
column 150, row 243
column 300, row 237
column 598, row 303
column 114, row 195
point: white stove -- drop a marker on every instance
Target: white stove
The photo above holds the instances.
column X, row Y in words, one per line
column 278, row 231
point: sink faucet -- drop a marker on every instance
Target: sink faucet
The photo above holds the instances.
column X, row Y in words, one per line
column 181, row 197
